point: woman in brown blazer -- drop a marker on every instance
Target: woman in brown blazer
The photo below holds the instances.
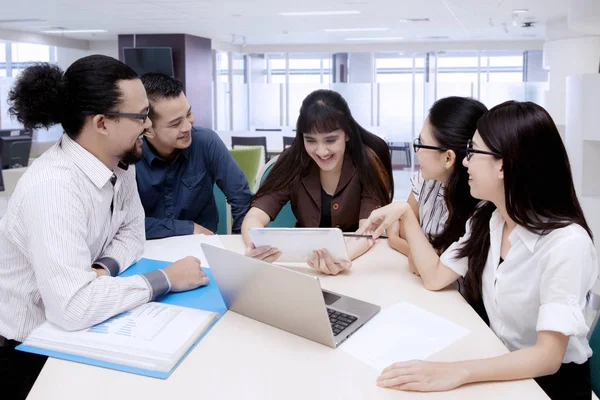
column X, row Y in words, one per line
column 334, row 174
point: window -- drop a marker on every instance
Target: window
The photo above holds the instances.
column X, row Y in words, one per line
column 222, row 67
column 393, row 67
column 506, row 77
column 28, row 52
column 502, row 66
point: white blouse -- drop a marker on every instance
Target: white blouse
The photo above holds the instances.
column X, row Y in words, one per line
column 433, row 213
column 542, row 285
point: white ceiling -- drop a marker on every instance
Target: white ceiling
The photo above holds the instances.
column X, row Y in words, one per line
column 257, row 22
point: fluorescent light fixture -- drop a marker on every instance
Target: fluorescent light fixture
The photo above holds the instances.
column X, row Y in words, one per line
column 413, row 20
column 520, row 11
column 318, row 13
column 10, row 21
column 368, row 39
column 357, row 30
column 75, row 31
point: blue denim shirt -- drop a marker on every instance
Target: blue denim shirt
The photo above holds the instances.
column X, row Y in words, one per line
column 177, row 194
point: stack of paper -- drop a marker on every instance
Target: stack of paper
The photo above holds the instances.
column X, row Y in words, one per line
column 402, row 332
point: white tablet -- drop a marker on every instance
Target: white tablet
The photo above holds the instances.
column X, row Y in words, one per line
column 298, row 244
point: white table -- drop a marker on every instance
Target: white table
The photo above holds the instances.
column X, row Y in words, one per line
column 243, row 358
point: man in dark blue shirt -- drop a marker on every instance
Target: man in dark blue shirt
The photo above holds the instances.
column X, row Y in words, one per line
column 181, row 164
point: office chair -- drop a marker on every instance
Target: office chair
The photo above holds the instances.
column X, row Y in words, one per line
column 239, row 141
column 288, row 141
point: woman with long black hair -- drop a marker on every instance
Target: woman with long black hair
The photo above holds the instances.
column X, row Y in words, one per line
column 334, row 174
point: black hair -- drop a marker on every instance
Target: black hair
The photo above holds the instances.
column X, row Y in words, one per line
column 454, row 121
column 160, row 86
column 44, row 96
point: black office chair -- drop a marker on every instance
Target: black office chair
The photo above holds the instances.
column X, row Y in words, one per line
column 288, row 141
column 18, row 154
column 250, row 141
column 402, row 159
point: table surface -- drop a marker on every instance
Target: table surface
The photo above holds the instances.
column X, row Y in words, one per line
column 243, row 358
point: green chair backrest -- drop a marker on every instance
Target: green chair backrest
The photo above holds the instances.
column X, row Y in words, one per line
column 249, row 159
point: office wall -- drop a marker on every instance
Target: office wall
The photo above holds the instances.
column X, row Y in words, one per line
column 67, row 56
column 105, row 47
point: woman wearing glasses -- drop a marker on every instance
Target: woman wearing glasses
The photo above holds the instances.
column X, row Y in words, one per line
column 440, row 197
column 527, row 252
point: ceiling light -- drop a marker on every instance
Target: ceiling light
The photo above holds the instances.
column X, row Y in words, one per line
column 11, row 21
column 357, row 30
column 413, row 20
column 75, row 31
column 318, row 13
column 375, row 39
column 520, row 11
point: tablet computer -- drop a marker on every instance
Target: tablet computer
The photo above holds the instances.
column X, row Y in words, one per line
column 298, row 244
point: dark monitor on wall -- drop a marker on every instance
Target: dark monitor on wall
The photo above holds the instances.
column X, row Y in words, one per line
column 15, row 151
column 15, row 132
column 149, row 59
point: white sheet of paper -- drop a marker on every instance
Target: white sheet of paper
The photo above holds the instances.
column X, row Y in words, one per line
column 177, row 247
column 401, row 332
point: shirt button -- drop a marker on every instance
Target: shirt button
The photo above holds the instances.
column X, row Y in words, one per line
column 336, row 206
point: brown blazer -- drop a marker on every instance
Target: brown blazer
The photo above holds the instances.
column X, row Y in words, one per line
column 349, row 204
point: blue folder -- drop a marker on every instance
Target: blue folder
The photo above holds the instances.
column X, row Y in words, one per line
column 204, row 298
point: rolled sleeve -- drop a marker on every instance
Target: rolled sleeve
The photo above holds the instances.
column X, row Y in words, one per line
column 451, row 259
column 109, row 264
column 570, row 271
column 158, row 282
column 564, row 318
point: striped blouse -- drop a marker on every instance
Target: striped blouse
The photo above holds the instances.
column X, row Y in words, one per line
column 433, row 213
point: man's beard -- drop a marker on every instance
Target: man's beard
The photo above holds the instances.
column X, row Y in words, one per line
column 131, row 156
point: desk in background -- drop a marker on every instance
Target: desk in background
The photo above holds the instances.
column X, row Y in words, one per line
column 243, row 358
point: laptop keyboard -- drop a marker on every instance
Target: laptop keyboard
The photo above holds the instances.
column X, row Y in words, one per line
column 339, row 321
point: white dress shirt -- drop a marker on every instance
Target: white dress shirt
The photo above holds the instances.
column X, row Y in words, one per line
column 542, row 285
column 64, row 216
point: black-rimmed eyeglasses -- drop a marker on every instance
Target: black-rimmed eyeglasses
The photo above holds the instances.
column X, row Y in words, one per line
column 417, row 145
column 142, row 117
column 471, row 151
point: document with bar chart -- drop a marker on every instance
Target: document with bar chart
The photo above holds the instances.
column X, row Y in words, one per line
column 153, row 336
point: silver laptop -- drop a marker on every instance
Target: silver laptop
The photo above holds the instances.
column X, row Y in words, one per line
column 286, row 299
